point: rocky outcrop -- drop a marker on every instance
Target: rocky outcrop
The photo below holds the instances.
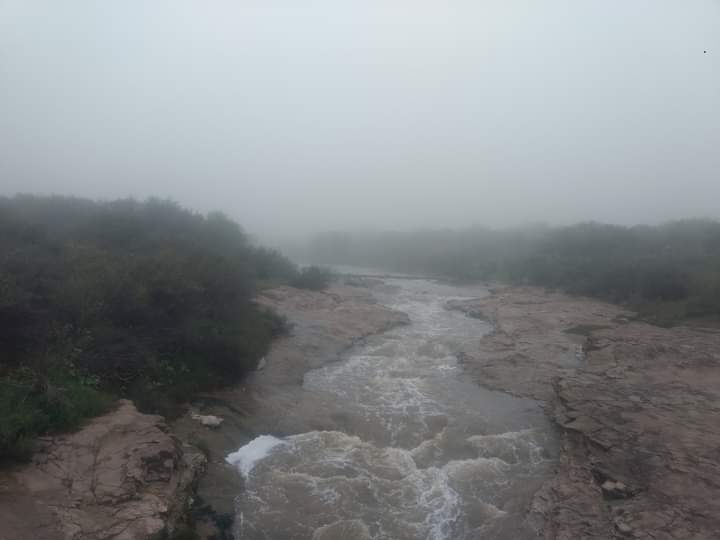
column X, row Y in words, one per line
column 323, row 325
column 121, row 477
column 644, row 410
column 638, row 411
column 536, row 338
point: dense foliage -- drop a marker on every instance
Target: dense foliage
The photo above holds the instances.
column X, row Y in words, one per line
column 314, row 278
column 667, row 272
column 140, row 299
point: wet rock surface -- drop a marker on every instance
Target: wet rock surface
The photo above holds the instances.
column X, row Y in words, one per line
column 537, row 337
column 122, row 477
column 638, row 407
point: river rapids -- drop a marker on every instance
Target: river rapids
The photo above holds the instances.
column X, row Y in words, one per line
column 428, row 453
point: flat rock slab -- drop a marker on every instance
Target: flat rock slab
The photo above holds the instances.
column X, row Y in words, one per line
column 638, row 406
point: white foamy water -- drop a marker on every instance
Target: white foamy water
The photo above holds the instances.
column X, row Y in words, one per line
column 424, row 453
column 247, row 456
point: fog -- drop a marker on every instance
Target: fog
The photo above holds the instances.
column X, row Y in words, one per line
column 296, row 117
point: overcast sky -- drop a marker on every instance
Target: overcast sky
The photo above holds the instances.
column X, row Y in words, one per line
column 297, row 116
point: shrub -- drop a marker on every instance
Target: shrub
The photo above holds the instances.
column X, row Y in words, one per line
column 314, row 278
column 143, row 299
column 30, row 406
column 669, row 269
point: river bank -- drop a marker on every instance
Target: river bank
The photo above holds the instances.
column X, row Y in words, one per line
column 122, row 476
column 131, row 476
column 637, row 406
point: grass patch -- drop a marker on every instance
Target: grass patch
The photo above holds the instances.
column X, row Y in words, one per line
column 30, row 406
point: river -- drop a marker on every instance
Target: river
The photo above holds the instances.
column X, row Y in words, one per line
column 429, row 454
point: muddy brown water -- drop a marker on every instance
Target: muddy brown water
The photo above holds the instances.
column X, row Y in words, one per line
column 425, row 452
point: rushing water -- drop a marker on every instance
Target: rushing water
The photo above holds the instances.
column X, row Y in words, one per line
column 428, row 454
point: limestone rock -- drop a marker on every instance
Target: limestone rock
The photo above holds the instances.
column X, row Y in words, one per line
column 641, row 405
column 121, row 477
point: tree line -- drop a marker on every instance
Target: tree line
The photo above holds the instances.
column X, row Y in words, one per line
column 668, row 272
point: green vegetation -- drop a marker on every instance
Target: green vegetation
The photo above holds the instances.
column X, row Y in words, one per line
column 137, row 299
column 668, row 272
column 314, row 278
column 31, row 404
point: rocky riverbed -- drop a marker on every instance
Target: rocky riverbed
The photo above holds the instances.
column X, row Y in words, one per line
column 638, row 407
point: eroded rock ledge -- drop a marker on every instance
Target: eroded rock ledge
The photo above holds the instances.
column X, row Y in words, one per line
column 121, row 477
column 638, row 407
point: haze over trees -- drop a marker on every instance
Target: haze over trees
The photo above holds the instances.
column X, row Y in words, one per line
column 126, row 298
column 301, row 117
column 668, row 272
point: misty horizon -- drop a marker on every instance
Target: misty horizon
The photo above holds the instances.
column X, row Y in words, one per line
column 332, row 116
column 323, row 270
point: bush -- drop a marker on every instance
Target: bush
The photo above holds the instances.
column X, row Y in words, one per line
column 143, row 299
column 30, row 406
column 314, row 278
